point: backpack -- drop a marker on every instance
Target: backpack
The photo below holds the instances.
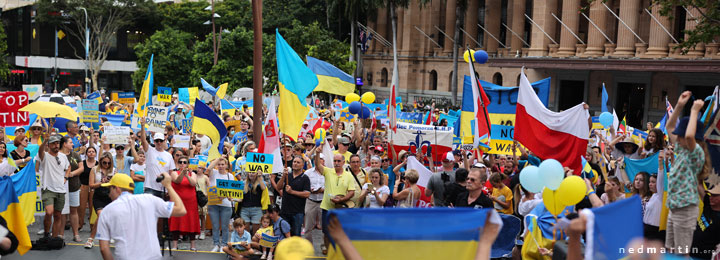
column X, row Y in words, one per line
column 48, row 243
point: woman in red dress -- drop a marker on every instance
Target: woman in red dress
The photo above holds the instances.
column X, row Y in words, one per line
column 183, row 181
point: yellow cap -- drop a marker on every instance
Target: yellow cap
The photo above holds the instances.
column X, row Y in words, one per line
column 294, row 248
column 121, row 180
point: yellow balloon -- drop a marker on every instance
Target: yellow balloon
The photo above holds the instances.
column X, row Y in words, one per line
column 352, row 97
column 572, row 190
column 320, row 134
column 552, row 204
column 469, row 54
column 368, row 98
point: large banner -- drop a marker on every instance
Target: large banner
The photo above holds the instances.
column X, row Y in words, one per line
column 434, row 140
column 10, row 103
column 501, row 112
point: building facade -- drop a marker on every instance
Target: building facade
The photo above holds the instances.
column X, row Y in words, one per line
column 625, row 44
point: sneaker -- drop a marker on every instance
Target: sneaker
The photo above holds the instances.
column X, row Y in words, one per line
column 264, row 255
column 270, row 256
column 89, row 243
column 41, row 232
column 202, row 236
column 215, row 249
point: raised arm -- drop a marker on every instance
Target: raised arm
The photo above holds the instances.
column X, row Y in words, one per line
column 178, row 209
column 320, row 168
column 692, row 124
column 143, row 136
column 670, row 125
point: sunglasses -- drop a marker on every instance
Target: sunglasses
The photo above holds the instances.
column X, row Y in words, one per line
column 119, row 148
column 105, row 163
column 337, row 160
column 385, row 160
column 472, row 179
column 158, row 140
column 182, row 162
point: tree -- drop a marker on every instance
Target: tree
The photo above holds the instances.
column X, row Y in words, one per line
column 234, row 60
column 4, row 65
column 173, row 51
column 104, row 19
column 186, row 16
column 708, row 23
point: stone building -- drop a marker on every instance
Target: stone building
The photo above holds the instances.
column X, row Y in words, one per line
column 625, row 44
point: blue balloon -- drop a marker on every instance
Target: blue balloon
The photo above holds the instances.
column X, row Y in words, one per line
column 606, row 119
column 530, row 179
column 480, row 56
column 365, row 113
column 354, row 107
column 552, row 173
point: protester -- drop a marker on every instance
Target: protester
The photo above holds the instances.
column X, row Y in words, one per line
column 375, row 192
column 313, row 213
column 100, row 174
column 55, row 169
column 74, row 184
column 436, row 185
column 251, row 211
column 265, row 228
column 20, row 155
column 502, row 196
column 6, row 169
column 184, row 182
column 137, row 172
column 613, row 191
column 337, row 182
column 410, row 194
column 85, row 191
column 219, row 213
column 157, row 160
column 474, row 197
column 203, row 182
column 240, row 239
column 295, row 191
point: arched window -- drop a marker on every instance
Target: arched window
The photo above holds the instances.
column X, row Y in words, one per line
column 384, row 77
column 497, row 79
column 450, row 78
column 433, row 80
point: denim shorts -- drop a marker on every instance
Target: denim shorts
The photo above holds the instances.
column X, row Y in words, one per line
column 251, row 214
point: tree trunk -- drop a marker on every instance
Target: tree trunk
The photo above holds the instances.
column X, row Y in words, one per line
column 94, row 80
column 460, row 14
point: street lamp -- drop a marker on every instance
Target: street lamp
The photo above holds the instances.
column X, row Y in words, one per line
column 87, row 49
column 216, row 44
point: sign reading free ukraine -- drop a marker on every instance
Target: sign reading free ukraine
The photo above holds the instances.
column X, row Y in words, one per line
column 259, row 162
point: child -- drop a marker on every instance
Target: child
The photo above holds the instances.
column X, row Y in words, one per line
column 137, row 172
column 613, row 191
column 202, row 185
column 242, row 249
column 265, row 227
column 501, row 195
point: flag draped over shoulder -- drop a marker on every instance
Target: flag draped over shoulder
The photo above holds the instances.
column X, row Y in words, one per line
column 331, row 79
column 562, row 136
column 295, row 82
column 26, row 191
column 394, row 233
column 206, row 122
column 11, row 211
column 612, row 227
column 145, row 98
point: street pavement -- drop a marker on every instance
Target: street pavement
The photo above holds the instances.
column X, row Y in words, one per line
column 75, row 250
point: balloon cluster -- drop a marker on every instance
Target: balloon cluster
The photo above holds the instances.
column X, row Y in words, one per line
column 558, row 191
column 356, row 108
column 479, row 56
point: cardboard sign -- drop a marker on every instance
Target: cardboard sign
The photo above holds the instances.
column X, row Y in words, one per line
column 33, row 90
column 202, row 161
column 187, row 125
column 188, row 95
column 193, row 163
column 90, row 110
column 212, row 195
column 230, row 189
column 10, row 103
column 259, row 162
column 126, row 97
column 116, row 134
column 164, row 94
column 181, row 141
column 156, row 118
column 114, row 97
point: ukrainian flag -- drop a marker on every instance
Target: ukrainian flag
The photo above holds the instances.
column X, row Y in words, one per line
column 219, row 91
column 467, row 115
column 395, row 233
column 12, row 212
column 26, row 190
column 145, row 98
column 227, row 106
column 331, row 79
column 295, row 82
column 206, row 122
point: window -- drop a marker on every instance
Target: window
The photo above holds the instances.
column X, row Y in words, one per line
column 481, row 21
column 384, row 77
column 433, row 80
column 369, row 78
column 497, row 79
column 450, row 79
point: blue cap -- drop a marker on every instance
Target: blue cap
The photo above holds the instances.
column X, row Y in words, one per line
column 683, row 124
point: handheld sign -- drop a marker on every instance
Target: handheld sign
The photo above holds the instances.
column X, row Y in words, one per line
column 126, row 97
column 187, row 125
column 268, row 240
column 10, row 103
column 117, row 134
column 90, row 110
column 193, row 163
column 181, row 141
column 202, row 160
column 164, row 94
column 212, row 195
column 156, row 118
column 230, row 189
column 259, row 162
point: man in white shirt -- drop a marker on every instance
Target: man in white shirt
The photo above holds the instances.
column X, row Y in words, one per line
column 312, row 204
column 54, row 172
column 157, row 161
column 130, row 219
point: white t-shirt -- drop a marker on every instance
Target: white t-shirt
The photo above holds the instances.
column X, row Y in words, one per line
column 137, row 168
column 213, row 183
column 317, row 181
column 53, row 170
column 205, row 142
column 131, row 220
column 373, row 201
column 157, row 163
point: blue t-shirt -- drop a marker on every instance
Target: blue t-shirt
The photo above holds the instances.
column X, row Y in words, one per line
column 391, row 177
column 127, row 161
column 280, row 227
column 139, row 185
column 235, row 237
column 239, row 137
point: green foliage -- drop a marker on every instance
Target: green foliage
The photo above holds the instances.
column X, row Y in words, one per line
column 234, row 60
column 186, row 16
column 173, row 51
column 282, row 13
column 708, row 27
column 4, row 65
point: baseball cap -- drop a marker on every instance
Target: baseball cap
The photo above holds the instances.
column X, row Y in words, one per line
column 19, row 129
column 682, row 127
column 55, row 138
column 344, row 140
column 294, row 248
column 479, row 165
column 378, row 148
column 159, row 136
column 448, row 156
column 120, row 180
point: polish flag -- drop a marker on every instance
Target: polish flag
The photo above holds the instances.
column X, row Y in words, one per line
column 270, row 142
column 561, row 136
column 392, row 112
column 480, row 103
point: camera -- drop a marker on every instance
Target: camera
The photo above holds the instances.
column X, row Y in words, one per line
column 160, row 178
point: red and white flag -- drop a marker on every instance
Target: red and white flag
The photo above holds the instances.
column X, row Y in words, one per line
column 431, row 140
column 392, row 113
column 480, row 103
column 270, row 142
column 562, row 136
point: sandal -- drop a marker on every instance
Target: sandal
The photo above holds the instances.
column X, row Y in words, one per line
column 324, row 249
column 193, row 249
column 77, row 238
column 89, row 243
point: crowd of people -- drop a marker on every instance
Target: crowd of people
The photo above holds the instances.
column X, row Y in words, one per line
column 78, row 171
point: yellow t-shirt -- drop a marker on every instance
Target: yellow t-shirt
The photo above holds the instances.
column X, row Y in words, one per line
column 506, row 194
column 360, row 177
column 335, row 185
column 268, row 230
column 347, row 155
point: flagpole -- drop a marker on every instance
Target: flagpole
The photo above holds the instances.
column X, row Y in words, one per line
column 257, row 69
column 482, row 102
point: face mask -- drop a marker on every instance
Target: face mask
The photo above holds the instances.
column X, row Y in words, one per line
column 232, row 132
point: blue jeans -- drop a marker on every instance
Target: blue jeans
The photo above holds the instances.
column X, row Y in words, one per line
column 296, row 222
column 220, row 217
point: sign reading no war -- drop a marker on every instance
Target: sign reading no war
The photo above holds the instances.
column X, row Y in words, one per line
column 259, row 162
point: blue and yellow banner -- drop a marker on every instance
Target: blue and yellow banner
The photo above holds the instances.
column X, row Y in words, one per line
column 24, row 183
column 295, row 82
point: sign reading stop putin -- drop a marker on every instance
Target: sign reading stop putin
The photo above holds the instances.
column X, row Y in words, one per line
column 10, row 103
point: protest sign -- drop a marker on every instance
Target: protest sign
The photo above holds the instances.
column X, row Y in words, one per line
column 202, row 160
column 212, row 195
column 156, row 118
column 268, row 240
column 193, row 163
column 259, row 162
column 33, row 90
column 187, row 125
column 126, row 97
column 116, row 134
column 407, row 117
column 164, row 94
column 181, row 141
column 193, row 93
column 10, row 103
column 230, row 189
column 184, row 95
column 114, row 97
column 95, row 95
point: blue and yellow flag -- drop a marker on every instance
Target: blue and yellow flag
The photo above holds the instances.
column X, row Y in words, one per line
column 12, row 212
column 613, row 226
column 219, row 91
column 331, row 79
column 206, row 122
column 226, row 106
column 26, row 190
column 145, row 98
column 295, row 82
column 394, row 233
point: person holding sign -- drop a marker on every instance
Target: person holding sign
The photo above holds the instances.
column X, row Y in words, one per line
column 221, row 212
column 184, row 181
column 251, row 210
column 157, row 160
column 295, row 191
